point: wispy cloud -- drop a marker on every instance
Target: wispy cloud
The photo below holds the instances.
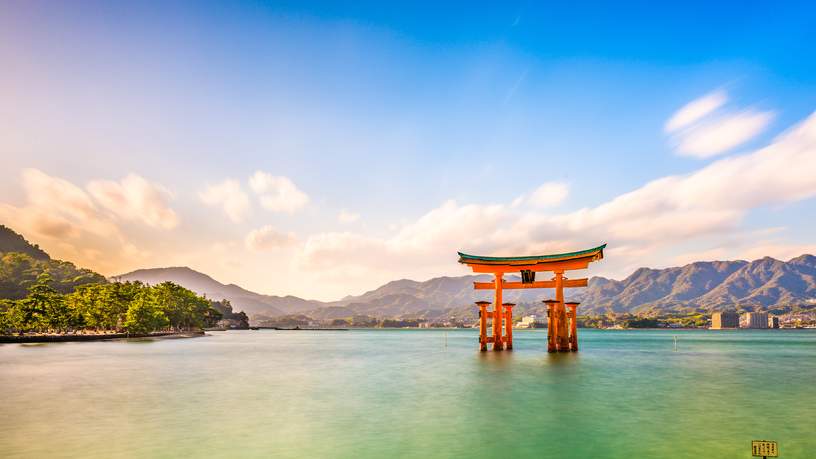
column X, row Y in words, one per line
column 268, row 238
column 135, row 198
column 695, row 110
column 549, row 194
column 230, row 197
column 347, row 217
column 278, row 193
column 723, row 134
column 57, row 195
column 512, row 91
column 702, row 128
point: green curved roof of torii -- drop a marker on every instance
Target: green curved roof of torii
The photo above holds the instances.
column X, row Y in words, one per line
column 476, row 259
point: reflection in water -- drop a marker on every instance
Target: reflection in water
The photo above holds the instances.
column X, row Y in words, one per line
column 563, row 359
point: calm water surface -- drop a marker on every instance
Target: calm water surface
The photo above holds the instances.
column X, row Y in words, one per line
column 406, row 393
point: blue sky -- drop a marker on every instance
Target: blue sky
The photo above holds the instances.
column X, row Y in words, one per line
column 384, row 137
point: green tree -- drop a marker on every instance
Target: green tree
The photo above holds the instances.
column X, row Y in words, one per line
column 144, row 314
column 8, row 322
column 103, row 306
column 211, row 317
column 19, row 271
column 42, row 302
column 116, row 298
column 57, row 314
column 183, row 307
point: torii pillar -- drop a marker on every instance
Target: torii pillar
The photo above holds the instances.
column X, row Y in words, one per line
column 552, row 325
column 573, row 314
column 562, row 331
column 482, row 324
column 497, row 314
column 508, row 325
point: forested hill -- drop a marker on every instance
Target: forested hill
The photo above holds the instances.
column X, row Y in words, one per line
column 21, row 262
column 13, row 242
column 243, row 300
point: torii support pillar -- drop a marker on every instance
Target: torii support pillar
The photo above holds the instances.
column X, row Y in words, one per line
column 498, row 345
column 551, row 325
column 573, row 306
column 508, row 325
column 562, row 336
column 482, row 324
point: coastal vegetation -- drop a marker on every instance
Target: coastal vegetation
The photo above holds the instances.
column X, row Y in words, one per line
column 39, row 294
column 230, row 318
column 19, row 271
column 130, row 307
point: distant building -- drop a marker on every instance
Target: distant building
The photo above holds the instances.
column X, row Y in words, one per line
column 773, row 322
column 756, row 320
column 527, row 322
column 532, row 321
column 728, row 319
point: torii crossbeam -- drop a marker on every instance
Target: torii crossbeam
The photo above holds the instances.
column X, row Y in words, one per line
column 561, row 337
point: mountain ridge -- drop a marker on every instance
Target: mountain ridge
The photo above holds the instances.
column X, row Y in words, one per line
column 702, row 285
column 11, row 241
column 203, row 284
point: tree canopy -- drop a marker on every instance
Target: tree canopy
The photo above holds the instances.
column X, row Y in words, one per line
column 19, row 271
column 130, row 307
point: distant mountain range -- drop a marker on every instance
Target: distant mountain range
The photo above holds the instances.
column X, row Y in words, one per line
column 762, row 284
column 241, row 299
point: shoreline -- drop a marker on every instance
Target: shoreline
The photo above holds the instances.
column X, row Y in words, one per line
column 66, row 338
column 298, row 329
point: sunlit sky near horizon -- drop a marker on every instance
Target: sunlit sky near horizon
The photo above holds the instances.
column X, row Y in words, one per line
column 322, row 150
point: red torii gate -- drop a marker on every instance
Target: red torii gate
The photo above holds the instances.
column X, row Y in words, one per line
column 561, row 336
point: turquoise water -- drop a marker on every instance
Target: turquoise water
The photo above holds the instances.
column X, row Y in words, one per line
column 412, row 393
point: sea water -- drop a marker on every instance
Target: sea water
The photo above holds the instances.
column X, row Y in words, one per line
column 412, row 393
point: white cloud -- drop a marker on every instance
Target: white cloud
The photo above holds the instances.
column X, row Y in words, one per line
column 35, row 221
column 695, row 110
column 720, row 135
column 277, row 193
column 268, row 238
column 57, row 195
column 347, row 217
column 322, row 251
column 64, row 218
column 644, row 227
column 696, row 131
column 229, row 195
column 134, row 198
column 56, row 207
column 549, row 194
